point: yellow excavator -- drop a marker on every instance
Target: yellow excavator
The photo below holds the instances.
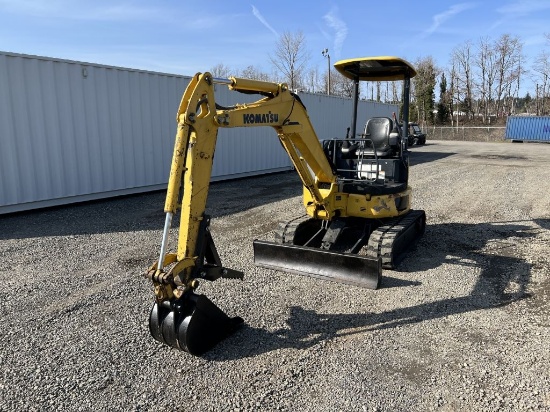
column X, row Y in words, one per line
column 358, row 217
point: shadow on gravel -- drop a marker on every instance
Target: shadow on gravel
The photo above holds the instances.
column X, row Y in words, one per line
column 503, row 279
column 417, row 158
column 145, row 211
column 391, row 282
column 544, row 223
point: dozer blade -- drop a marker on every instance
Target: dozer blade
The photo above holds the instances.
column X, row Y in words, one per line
column 324, row 264
column 192, row 323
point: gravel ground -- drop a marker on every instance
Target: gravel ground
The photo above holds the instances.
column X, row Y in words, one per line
column 462, row 324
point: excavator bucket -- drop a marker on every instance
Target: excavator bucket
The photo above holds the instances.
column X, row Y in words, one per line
column 192, row 323
column 347, row 268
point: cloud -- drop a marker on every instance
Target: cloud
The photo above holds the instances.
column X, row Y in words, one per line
column 259, row 16
column 523, row 7
column 340, row 28
column 441, row 18
column 69, row 10
column 124, row 12
column 26, row 6
column 512, row 13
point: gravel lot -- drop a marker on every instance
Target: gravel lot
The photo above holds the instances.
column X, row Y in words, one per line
column 463, row 324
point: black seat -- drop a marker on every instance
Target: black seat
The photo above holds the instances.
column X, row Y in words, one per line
column 377, row 133
column 370, row 164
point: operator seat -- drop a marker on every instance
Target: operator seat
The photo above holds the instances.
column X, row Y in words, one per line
column 377, row 133
column 379, row 169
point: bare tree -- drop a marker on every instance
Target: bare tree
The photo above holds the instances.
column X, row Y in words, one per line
column 541, row 78
column 290, row 57
column 396, row 88
column 390, row 92
column 251, row 72
column 313, row 81
column 220, row 70
column 462, row 63
column 340, row 85
column 542, row 73
column 454, row 93
column 485, row 61
column 508, row 52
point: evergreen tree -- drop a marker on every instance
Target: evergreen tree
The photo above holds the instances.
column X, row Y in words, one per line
column 424, row 85
column 443, row 105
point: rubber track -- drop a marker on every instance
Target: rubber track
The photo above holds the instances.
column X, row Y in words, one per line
column 386, row 240
column 286, row 230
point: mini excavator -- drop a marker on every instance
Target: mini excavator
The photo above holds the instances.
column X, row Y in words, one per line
column 358, row 217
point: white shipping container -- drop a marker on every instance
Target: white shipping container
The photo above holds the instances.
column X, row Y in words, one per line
column 73, row 131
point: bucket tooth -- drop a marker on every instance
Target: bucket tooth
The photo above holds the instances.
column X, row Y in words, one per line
column 156, row 318
column 193, row 323
column 347, row 268
column 168, row 328
column 162, row 324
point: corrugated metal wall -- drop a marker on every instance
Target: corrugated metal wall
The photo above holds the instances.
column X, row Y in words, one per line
column 72, row 131
column 331, row 115
column 531, row 128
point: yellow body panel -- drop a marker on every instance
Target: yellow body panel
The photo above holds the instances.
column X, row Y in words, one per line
column 359, row 205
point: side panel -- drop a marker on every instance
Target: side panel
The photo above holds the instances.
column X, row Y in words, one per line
column 370, row 207
column 331, row 115
column 530, row 128
column 72, row 131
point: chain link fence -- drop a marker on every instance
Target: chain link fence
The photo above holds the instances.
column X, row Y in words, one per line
column 470, row 133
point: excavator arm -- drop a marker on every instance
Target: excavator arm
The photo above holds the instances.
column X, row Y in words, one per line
column 178, row 315
column 199, row 118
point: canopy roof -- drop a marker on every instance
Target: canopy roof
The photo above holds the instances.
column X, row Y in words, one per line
column 380, row 68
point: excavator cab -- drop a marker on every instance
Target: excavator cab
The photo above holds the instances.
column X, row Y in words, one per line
column 358, row 217
column 373, row 163
column 376, row 160
column 371, row 171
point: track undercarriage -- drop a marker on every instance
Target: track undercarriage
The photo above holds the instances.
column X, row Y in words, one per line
column 346, row 250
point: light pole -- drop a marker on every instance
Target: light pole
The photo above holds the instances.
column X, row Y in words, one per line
column 325, row 54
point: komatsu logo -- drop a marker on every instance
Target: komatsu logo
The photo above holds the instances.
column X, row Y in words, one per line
column 261, row 118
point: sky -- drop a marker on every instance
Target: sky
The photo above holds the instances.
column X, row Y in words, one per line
column 185, row 37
